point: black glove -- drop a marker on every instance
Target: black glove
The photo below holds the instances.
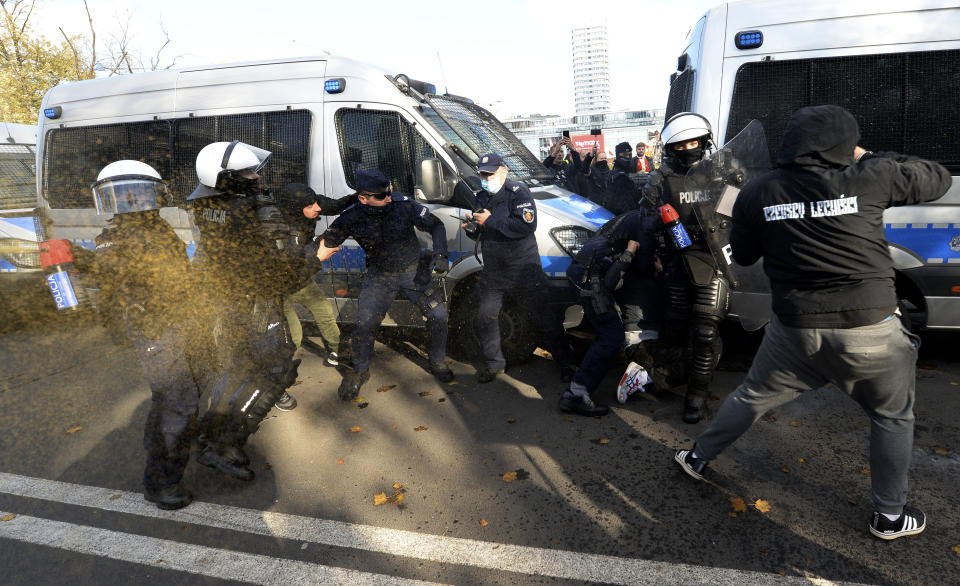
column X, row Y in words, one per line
column 441, row 264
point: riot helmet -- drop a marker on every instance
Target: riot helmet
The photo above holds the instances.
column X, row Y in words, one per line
column 680, row 129
column 225, row 168
column 128, row 186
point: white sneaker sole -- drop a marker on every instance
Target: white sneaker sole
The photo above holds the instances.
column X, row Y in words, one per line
column 678, row 458
column 898, row 534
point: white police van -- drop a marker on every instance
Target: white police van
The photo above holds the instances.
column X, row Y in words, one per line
column 19, row 252
column 322, row 118
column 894, row 64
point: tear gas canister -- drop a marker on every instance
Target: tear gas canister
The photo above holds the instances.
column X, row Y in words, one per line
column 671, row 219
column 57, row 261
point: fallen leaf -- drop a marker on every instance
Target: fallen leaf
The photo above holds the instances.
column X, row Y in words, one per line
column 604, row 440
column 568, row 419
column 940, row 450
column 738, row 505
column 397, row 486
column 424, row 393
column 783, row 572
column 74, row 429
column 852, row 502
column 955, row 548
column 483, row 523
column 509, row 476
column 785, row 470
column 340, row 461
column 356, row 429
column 386, row 388
column 762, row 506
column 732, row 514
column 359, row 400
column 801, row 460
column 396, row 499
column 451, row 383
column 794, row 424
column 769, row 418
column 511, row 420
column 954, row 383
column 379, row 499
column 421, row 428
column 393, row 426
column 9, row 517
column 114, row 497
column 865, row 472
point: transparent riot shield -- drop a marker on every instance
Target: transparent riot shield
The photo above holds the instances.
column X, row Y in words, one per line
column 717, row 181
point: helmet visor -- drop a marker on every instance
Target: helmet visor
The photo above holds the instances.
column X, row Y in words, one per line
column 132, row 193
column 262, row 156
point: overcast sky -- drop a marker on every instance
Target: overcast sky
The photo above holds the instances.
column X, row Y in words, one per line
column 512, row 56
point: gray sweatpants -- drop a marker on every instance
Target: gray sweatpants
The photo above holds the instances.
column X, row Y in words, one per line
column 874, row 364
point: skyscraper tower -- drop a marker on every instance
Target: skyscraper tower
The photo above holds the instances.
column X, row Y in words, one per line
column 591, row 69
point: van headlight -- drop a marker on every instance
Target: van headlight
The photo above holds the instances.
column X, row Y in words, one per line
column 571, row 238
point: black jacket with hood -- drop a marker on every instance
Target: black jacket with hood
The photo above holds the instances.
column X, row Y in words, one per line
column 817, row 221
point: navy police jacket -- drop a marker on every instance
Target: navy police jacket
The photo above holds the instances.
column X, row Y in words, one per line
column 510, row 252
column 386, row 234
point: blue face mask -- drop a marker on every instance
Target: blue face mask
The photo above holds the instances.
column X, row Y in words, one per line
column 492, row 186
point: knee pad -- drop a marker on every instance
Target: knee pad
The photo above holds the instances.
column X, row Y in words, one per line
column 705, row 351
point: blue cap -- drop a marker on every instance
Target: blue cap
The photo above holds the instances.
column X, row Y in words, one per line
column 372, row 181
column 489, row 163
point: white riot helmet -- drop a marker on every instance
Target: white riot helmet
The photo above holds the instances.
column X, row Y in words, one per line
column 129, row 186
column 220, row 165
column 684, row 127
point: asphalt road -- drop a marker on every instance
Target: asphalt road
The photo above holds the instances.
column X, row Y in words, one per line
column 594, row 499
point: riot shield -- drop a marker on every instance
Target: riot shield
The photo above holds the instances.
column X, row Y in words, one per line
column 717, row 181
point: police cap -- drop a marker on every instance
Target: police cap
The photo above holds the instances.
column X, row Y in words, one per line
column 372, row 181
column 489, row 163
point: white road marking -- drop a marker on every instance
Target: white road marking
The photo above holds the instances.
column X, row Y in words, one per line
column 446, row 550
column 195, row 559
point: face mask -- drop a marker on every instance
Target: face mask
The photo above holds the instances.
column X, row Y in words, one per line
column 492, row 185
column 688, row 157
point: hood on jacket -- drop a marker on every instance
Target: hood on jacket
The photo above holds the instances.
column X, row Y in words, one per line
column 819, row 136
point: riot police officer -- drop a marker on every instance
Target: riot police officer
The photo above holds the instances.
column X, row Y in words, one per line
column 142, row 269
column 383, row 223
column 696, row 292
column 506, row 228
column 244, row 271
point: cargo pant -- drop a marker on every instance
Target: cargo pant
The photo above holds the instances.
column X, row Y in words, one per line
column 874, row 364
column 313, row 298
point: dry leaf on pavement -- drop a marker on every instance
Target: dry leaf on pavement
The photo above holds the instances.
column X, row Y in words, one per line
column 386, row 388
column 511, row 420
column 483, row 523
column 762, row 506
column 425, row 393
column 114, row 497
column 785, row 470
column 359, row 400
column 9, row 517
column 397, row 486
column 801, row 460
column 340, row 461
column 379, row 499
column 956, row 548
column 604, row 440
column 74, row 429
column 421, row 428
column 356, row 429
column 396, row 499
column 509, row 476
column 865, row 472
column 794, row 424
column 738, row 505
column 940, row 450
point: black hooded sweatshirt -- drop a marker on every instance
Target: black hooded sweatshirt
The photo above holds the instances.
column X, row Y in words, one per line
column 817, row 221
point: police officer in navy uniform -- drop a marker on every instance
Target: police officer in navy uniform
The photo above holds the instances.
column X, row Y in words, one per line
column 506, row 228
column 143, row 272
column 383, row 223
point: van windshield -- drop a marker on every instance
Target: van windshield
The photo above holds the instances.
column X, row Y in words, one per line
column 476, row 131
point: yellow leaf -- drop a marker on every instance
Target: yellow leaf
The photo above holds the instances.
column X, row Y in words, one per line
column 397, row 486
column 379, row 499
column 73, row 429
column 421, row 428
column 865, row 472
column 9, row 517
column 732, row 514
column 955, row 548
column 738, row 505
column 396, row 499
column 794, row 424
column 954, row 383
column 785, row 470
column 604, row 441
column 359, row 400
column 510, row 476
column 356, row 429
column 114, row 497
column 483, row 523
column 940, row 450
column 340, row 461
column 801, row 460
column 386, row 388
column 453, row 382
column 762, row 506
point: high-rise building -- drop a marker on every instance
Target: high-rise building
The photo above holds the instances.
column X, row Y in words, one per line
column 591, row 70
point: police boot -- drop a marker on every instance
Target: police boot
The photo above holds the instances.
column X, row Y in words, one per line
column 210, row 458
column 695, row 403
column 169, row 498
column 351, row 383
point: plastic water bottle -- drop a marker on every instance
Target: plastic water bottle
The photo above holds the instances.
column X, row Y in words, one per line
column 671, row 219
column 57, row 261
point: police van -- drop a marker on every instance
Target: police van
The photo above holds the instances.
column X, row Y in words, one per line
column 19, row 252
column 894, row 64
column 322, row 118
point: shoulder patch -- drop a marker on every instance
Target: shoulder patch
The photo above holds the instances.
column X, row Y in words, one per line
column 515, row 187
column 423, row 212
column 528, row 215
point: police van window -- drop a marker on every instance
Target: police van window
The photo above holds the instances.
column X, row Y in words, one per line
column 904, row 102
column 17, row 177
column 74, row 156
column 448, row 134
column 377, row 139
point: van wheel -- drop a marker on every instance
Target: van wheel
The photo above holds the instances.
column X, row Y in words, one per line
column 517, row 332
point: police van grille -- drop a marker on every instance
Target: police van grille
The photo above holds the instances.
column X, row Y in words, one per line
column 470, row 121
column 17, row 177
column 904, row 102
column 680, row 98
column 74, row 156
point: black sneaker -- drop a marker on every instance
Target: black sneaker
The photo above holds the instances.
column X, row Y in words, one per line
column 442, row 372
column 351, row 383
column 485, row 375
column 211, row 459
column 570, row 403
column 691, row 464
column 331, row 359
column 286, row 402
column 169, row 498
column 911, row 522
